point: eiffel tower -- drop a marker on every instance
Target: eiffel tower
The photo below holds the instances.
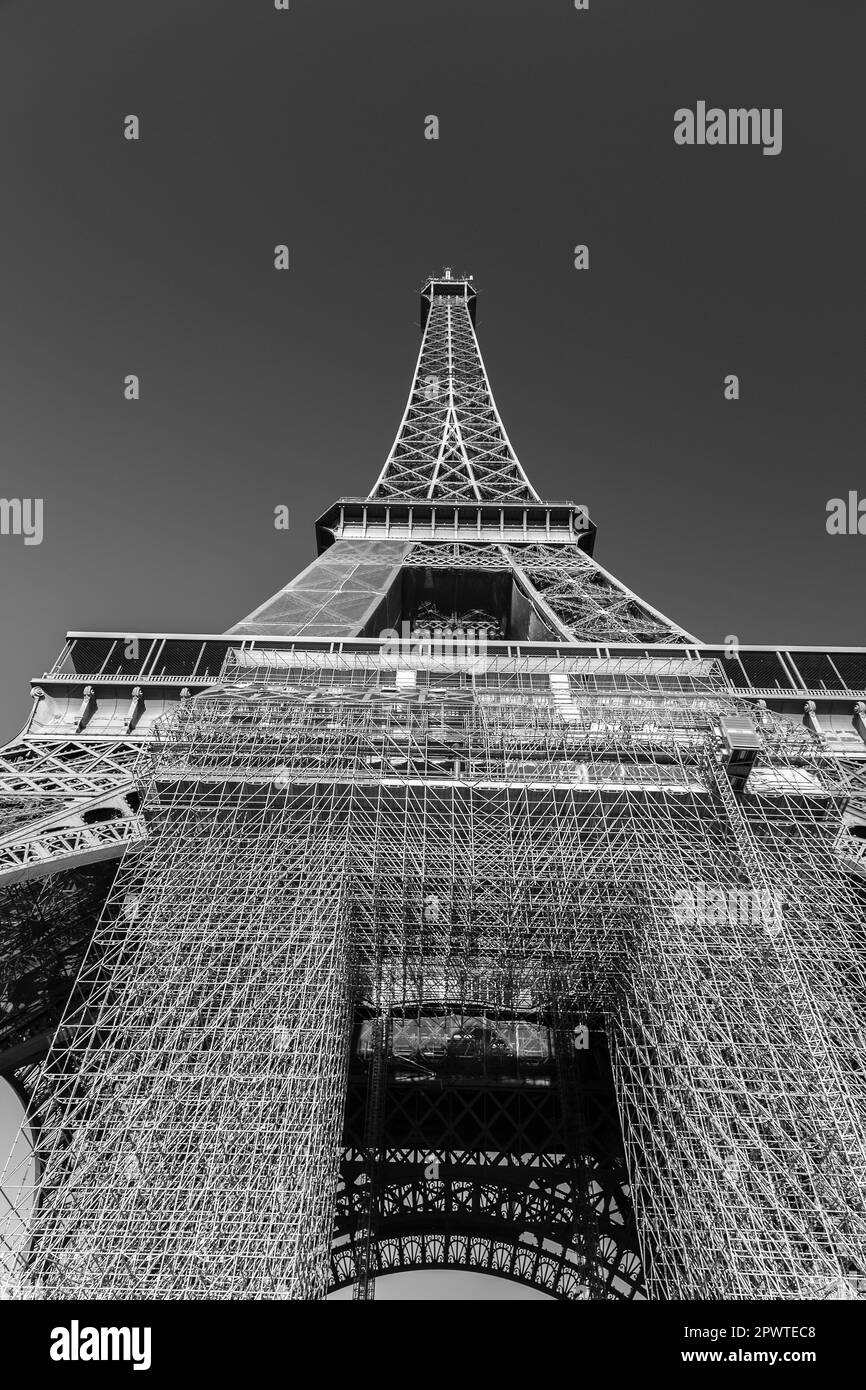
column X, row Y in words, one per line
column 454, row 910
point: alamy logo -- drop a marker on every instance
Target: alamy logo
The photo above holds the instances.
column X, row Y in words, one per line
column 22, row 516
column 846, row 518
column 77, row 1343
column 737, row 126
column 464, row 648
column 705, row 905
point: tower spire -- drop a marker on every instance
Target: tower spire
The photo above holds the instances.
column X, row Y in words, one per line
column 451, row 442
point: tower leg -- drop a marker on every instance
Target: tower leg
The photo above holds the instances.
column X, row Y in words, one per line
column 740, row 1109
column 197, row 1093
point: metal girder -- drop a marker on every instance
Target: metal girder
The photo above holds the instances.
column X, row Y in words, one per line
column 574, row 595
column 65, row 802
column 588, row 603
column 65, row 766
column 61, row 845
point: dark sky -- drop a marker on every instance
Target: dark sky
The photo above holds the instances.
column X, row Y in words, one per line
column 261, row 388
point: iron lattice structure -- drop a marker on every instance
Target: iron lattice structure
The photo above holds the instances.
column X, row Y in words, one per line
column 524, row 956
column 451, row 442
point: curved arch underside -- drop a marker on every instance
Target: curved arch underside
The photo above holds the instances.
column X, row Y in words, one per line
column 509, row 1256
column 484, row 1179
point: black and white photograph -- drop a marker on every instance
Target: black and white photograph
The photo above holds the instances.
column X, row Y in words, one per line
column 432, row 669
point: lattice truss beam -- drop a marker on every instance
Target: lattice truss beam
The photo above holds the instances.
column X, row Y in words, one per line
column 63, row 767
column 484, row 845
column 63, row 803
column 451, row 441
column 579, row 599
